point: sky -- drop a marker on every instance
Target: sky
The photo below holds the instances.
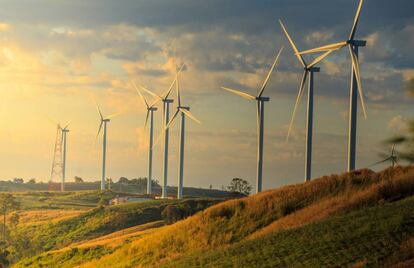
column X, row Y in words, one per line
column 56, row 56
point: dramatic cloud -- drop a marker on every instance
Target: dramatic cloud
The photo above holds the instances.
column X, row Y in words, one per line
column 55, row 54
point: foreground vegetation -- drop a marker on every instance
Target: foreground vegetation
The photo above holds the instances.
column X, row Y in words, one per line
column 361, row 218
column 48, row 233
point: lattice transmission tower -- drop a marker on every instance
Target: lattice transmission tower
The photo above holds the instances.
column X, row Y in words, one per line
column 56, row 174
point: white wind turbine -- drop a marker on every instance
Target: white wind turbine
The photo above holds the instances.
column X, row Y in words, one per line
column 165, row 131
column 309, row 70
column 149, row 116
column 103, row 122
column 356, row 85
column 260, row 119
column 184, row 111
column 64, row 130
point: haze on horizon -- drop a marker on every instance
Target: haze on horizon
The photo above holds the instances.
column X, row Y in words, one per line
column 55, row 55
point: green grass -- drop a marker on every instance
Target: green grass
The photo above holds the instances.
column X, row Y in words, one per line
column 369, row 236
column 98, row 222
column 66, row 200
column 70, row 258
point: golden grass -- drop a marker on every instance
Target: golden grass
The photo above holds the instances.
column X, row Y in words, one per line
column 115, row 239
column 264, row 213
column 270, row 211
column 38, row 217
column 351, row 199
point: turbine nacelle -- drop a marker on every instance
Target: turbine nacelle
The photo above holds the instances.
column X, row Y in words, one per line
column 312, row 69
column 184, row 108
column 264, row 99
column 357, row 43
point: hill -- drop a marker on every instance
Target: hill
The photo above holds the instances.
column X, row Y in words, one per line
column 52, row 229
column 361, row 218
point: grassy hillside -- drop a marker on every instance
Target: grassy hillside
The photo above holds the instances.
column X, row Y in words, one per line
column 365, row 237
column 94, row 223
column 329, row 221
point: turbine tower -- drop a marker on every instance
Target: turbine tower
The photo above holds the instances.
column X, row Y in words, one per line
column 356, row 85
column 260, row 119
column 309, row 70
column 65, row 131
column 104, row 121
column 165, row 131
column 150, row 115
column 183, row 111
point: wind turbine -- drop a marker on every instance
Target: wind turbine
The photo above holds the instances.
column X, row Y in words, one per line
column 309, row 70
column 260, row 119
column 150, row 115
column 165, row 131
column 104, row 121
column 356, row 86
column 389, row 158
column 184, row 111
column 64, row 130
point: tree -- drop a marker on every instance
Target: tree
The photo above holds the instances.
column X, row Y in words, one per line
column 32, row 181
column 14, row 219
column 171, row 214
column 18, row 180
column 8, row 203
column 78, row 179
column 109, row 183
column 406, row 141
column 123, row 180
column 240, row 186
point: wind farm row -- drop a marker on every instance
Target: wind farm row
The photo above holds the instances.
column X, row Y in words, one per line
column 182, row 112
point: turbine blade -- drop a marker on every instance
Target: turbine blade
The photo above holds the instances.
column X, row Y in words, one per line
column 54, row 122
column 335, row 46
column 240, row 93
column 146, row 119
column 113, row 115
column 150, row 92
column 158, row 139
column 97, row 108
column 190, row 115
column 67, row 125
column 295, row 49
column 270, row 73
column 140, row 95
column 167, row 93
column 258, row 115
column 99, row 130
column 172, row 119
column 320, row 58
column 355, row 65
column 353, row 30
column 380, row 162
column 298, row 99
column 177, row 86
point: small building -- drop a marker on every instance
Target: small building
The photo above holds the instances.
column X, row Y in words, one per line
column 127, row 199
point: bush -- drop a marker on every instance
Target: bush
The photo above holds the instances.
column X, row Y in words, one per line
column 171, row 214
